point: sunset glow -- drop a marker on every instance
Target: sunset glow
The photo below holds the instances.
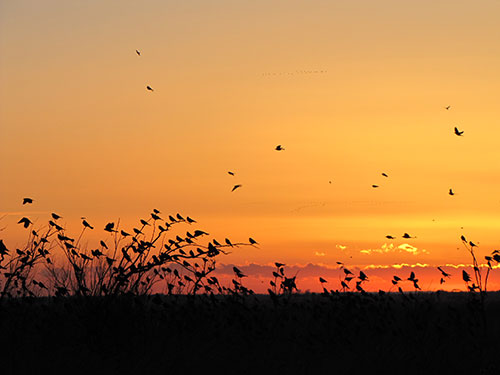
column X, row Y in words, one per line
column 351, row 90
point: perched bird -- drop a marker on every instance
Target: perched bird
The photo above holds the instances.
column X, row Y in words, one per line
column 384, row 174
column 458, row 132
column 406, row 235
column 451, row 192
column 86, row 224
column 252, row 241
column 465, row 276
column 124, row 234
column 149, row 88
column 279, row 148
column 189, row 220
column 238, row 273
column 443, row 272
column 279, row 265
column 228, row 242
column 472, row 244
column 362, row 276
column 27, row 200
column 447, row 107
column 231, row 173
column 109, row 227
column 463, row 238
column 138, row 52
column 55, row 216
column 321, row 280
column 236, row 187
column 25, row 221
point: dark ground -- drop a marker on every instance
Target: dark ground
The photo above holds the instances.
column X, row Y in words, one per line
column 424, row 333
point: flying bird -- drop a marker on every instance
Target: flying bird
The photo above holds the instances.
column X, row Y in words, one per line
column 458, row 132
column 447, row 107
column 25, row 221
column 138, row 52
column 406, row 235
column 27, row 200
column 231, row 173
column 384, row 174
column 235, row 187
column 149, row 88
column 374, row 186
column 390, row 237
column 279, row 148
column 451, row 192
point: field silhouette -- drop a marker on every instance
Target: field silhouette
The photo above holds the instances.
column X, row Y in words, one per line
column 95, row 310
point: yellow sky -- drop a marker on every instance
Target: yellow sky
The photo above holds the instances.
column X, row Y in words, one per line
column 351, row 89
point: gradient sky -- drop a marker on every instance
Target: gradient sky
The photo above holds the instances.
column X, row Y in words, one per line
column 351, row 89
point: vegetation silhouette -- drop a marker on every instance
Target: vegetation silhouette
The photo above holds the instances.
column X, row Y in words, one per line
column 84, row 309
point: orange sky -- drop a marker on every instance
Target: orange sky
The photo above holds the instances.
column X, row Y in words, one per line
column 351, row 89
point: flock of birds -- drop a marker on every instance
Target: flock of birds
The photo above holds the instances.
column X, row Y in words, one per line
column 26, row 222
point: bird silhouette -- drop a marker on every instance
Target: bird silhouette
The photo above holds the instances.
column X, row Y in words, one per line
column 236, row 187
column 447, row 107
column 138, row 52
column 451, row 192
column 231, row 173
column 279, row 148
column 406, row 235
column 374, row 186
column 384, row 174
column 55, row 216
column 27, row 200
column 109, row 227
column 458, row 132
column 252, row 241
column 443, row 272
column 86, row 224
column 149, row 88
column 238, row 273
column 321, row 280
column 25, row 221
column 465, row 276
column 390, row 237
column 362, row 276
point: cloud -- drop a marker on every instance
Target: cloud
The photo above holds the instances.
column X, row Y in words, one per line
column 341, row 247
column 390, row 248
column 319, row 254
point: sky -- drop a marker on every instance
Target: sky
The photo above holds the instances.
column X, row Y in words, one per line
column 350, row 89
